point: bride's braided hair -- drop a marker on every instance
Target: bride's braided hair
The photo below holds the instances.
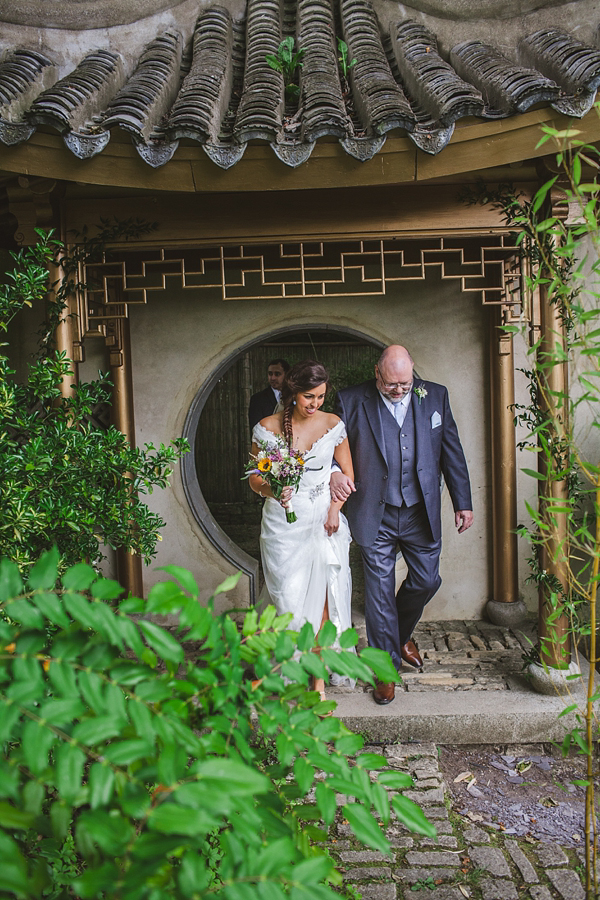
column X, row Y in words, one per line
column 303, row 376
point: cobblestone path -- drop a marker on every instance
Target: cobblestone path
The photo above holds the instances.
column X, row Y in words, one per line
column 466, row 861
column 463, row 655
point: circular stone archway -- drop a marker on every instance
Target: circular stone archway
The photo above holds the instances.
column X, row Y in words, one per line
column 199, row 506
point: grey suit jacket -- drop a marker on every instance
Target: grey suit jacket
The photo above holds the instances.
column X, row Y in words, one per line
column 438, row 451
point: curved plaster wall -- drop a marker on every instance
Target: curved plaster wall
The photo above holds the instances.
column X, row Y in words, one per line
column 179, row 340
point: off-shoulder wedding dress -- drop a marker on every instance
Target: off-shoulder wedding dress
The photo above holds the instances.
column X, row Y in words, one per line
column 303, row 565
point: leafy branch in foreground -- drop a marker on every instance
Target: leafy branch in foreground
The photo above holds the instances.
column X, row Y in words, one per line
column 174, row 767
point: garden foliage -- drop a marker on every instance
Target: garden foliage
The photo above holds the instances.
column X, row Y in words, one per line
column 63, row 479
column 563, row 256
column 137, row 764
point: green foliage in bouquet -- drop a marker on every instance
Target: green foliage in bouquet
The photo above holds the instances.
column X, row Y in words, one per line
column 141, row 766
column 64, row 480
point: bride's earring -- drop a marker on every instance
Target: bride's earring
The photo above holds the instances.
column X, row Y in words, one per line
column 294, row 402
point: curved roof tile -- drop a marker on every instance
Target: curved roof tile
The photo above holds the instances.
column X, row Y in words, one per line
column 202, row 100
column 221, row 91
column 507, row 88
column 23, row 75
column 379, row 100
column 430, row 80
column 70, row 103
column 260, row 112
column 148, row 95
column 575, row 67
column 323, row 109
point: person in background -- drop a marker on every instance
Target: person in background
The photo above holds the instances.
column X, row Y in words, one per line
column 265, row 402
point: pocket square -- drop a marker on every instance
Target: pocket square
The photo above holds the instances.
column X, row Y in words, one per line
column 436, row 420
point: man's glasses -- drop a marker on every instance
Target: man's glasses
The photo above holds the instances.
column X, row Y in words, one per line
column 394, row 385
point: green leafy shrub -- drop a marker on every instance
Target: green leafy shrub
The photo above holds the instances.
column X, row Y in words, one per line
column 136, row 765
column 64, row 480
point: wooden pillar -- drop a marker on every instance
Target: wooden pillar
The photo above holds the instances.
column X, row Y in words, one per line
column 505, row 607
column 129, row 565
column 66, row 333
column 555, row 648
column 504, row 463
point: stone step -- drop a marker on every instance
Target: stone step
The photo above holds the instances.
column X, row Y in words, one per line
column 457, row 717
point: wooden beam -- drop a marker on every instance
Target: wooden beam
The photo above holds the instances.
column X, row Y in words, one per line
column 299, row 215
column 475, row 145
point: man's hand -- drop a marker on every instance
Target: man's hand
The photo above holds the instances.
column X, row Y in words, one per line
column 341, row 486
column 463, row 519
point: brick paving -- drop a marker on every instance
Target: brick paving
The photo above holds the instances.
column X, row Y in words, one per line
column 466, row 861
column 464, row 655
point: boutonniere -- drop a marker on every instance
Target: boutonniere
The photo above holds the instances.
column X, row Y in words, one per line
column 420, row 392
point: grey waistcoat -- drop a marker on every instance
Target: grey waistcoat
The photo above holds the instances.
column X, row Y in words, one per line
column 403, row 484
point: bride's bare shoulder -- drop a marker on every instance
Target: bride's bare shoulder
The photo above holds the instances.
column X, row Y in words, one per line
column 273, row 423
column 332, row 420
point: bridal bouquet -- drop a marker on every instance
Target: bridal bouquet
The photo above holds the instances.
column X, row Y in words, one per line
column 280, row 467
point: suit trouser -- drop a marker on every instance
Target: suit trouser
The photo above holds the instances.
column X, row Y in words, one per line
column 390, row 617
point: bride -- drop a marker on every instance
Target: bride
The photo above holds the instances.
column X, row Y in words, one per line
column 305, row 563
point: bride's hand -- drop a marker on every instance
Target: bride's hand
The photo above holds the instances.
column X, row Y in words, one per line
column 332, row 522
column 286, row 496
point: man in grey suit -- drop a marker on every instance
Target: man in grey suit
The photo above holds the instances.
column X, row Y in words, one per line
column 403, row 439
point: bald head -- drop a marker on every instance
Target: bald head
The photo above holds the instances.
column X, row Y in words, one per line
column 394, row 372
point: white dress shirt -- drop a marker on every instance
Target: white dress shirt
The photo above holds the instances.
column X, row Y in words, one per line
column 398, row 409
column 277, row 394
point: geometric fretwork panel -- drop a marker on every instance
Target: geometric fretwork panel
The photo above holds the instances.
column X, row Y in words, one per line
column 488, row 266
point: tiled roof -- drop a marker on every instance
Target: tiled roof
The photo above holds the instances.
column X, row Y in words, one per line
column 221, row 92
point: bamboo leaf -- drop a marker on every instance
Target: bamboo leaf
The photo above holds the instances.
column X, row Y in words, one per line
column 541, row 194
column 534, row 474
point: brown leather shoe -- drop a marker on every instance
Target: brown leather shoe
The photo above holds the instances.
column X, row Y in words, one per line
column 384, row 692
column 411, row 655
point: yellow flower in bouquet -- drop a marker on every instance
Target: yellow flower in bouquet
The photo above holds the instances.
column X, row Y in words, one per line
column 280, row 467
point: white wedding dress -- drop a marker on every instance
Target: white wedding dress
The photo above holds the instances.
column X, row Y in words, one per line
column 302, row 565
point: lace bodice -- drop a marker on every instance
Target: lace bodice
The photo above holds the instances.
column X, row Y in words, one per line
column 318, row 458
